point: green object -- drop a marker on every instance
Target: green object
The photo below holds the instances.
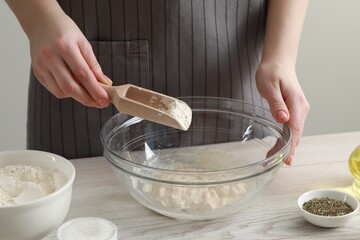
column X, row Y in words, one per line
column 327, row 207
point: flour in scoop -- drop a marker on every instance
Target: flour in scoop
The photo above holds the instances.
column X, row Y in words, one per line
column 23, row 183
column 179, row 110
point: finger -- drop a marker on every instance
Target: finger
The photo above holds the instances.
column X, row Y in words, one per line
column 38, row 70
column 86, row 78
column 39, row 77
column 89, row 57
column 48, row 81
column 69, row 85
column 296, row 124
column 278, row 107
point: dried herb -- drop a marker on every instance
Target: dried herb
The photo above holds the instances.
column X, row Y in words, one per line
column 327, row 207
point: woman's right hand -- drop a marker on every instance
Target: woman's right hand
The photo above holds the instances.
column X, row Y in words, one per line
column 63, row 60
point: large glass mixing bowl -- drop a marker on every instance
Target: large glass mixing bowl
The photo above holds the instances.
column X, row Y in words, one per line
column 229, row 155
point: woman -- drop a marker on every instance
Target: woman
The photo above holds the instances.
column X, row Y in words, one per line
column 240, row 49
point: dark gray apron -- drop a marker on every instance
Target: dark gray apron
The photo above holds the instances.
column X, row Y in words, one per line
column 176, row 47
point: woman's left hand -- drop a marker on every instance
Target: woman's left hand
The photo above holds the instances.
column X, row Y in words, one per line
column 279, row 85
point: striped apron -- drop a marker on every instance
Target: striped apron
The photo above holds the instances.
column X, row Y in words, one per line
column 176, row 47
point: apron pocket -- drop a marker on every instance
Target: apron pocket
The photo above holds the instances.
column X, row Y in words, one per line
column 124, row 61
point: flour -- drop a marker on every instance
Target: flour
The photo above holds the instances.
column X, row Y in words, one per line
column 194, row 199
column 177, row 109
column 181, row 112
column 24, row 183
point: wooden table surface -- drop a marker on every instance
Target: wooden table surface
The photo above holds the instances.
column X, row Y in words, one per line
column 320, row 162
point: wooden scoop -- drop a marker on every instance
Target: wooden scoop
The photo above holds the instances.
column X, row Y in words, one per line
column 150, row 105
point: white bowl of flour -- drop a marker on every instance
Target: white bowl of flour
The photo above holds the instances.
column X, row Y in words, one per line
column 35, row 193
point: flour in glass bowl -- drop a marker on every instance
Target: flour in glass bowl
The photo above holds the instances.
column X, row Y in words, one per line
column 191, row 198
column 199, row 199
column 23, row 183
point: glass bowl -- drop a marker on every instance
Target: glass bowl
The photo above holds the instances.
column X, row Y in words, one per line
column 227, row 157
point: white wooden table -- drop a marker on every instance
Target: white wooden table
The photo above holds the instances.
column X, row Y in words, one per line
column 320, row 162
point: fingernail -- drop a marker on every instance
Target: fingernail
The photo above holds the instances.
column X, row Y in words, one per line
column 289, row 160
column 103, row 102
column 108, row 79
column 281, row 115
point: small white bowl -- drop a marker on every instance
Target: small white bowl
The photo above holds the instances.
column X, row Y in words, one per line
column 35, row 219
column 327, row 221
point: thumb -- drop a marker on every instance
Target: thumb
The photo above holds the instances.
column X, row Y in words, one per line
column 278, row 108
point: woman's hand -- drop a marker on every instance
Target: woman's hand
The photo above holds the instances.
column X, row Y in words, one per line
column 62, row 58
column 278, row 84
column 276, row 78
column 63, row 62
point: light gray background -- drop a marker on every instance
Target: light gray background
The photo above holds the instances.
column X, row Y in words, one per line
column 328, row 68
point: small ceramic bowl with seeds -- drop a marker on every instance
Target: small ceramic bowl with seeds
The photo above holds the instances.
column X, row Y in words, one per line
column 328, row 208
